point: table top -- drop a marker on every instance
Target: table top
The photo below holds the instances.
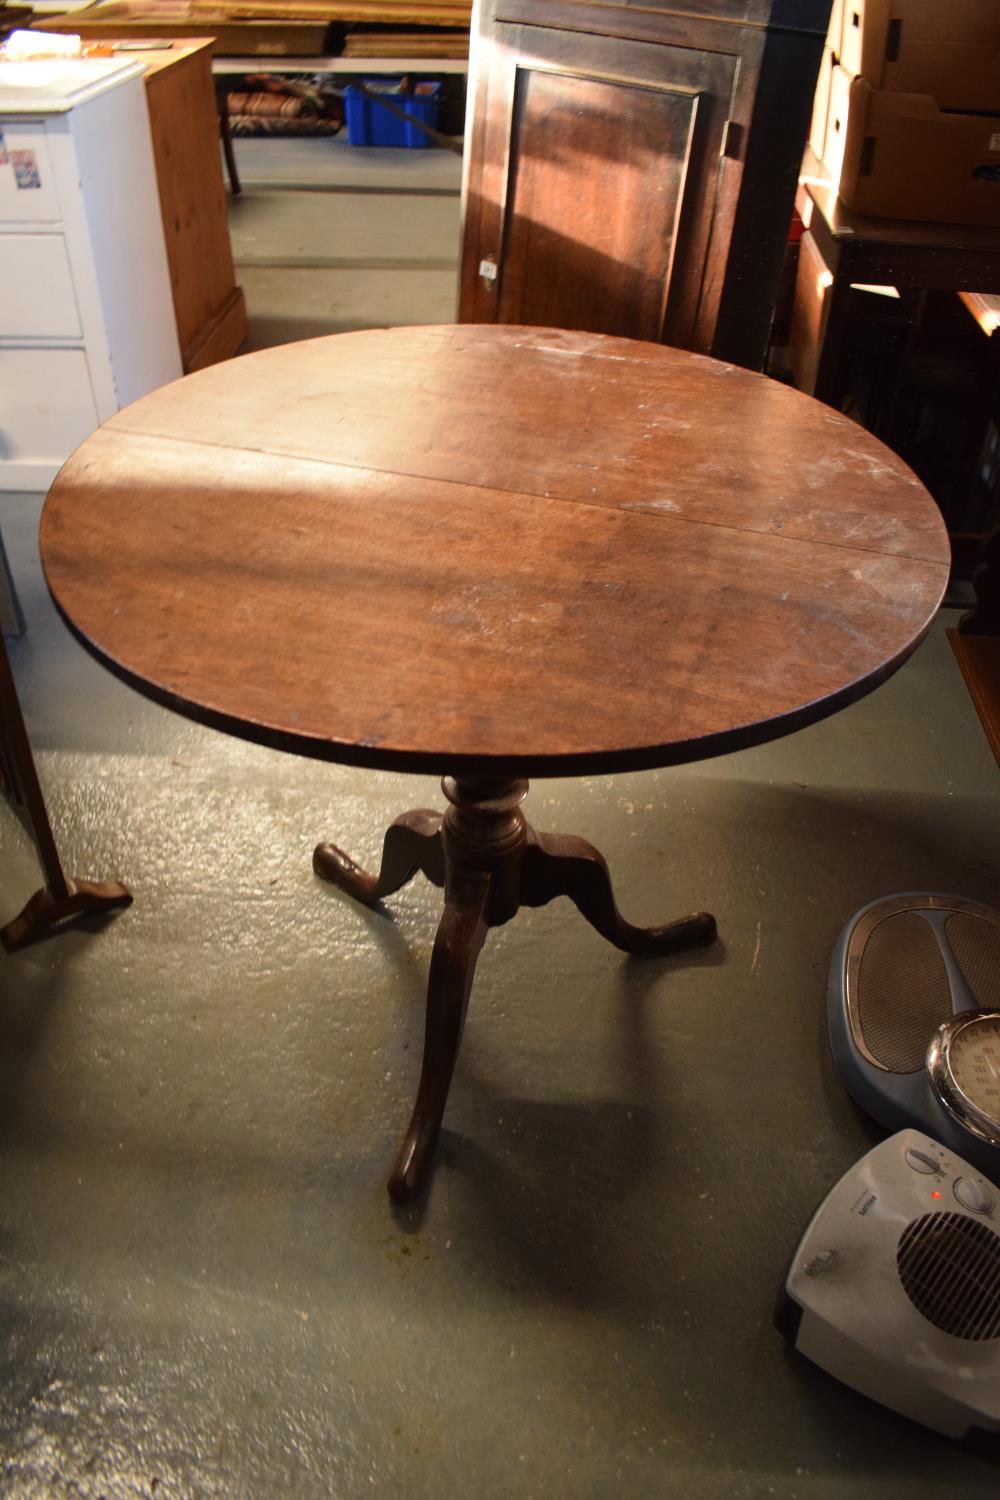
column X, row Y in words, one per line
column 493, row 549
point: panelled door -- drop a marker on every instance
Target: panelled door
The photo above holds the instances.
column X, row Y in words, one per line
column 601, row 185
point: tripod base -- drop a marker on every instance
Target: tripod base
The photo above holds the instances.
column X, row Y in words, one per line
column 490, row 863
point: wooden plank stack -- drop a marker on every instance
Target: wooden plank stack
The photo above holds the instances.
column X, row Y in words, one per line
column 284, row 28
column 444, row 13
column 406, row 44
column 159, row 19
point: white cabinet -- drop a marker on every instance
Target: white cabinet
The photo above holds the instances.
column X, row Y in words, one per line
column 86, row 314
column 43, row 392
column 24, row 145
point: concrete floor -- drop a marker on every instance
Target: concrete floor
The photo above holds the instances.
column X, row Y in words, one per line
column 203, row 1289
column 329, row 237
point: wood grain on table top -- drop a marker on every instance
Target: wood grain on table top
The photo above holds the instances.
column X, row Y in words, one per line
column 490, row 548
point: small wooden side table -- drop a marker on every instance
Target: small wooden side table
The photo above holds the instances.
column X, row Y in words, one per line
column 493, row 553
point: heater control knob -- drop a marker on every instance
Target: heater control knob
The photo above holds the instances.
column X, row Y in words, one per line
column 972, row 1195
column 921, row 1161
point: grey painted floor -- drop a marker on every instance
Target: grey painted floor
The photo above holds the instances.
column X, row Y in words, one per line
column 329, row 237
column 203, row 1289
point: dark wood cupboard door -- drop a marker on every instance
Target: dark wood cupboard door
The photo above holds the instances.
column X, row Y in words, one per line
column 606, row 186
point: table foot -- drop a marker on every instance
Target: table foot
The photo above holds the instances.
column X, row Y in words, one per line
column 45, row 910
column 412, row 843
column 459, row 940
column 559, row 864
column 490, row 863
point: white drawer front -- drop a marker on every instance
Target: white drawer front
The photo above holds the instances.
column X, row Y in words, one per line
column 37, row 300
column 47, row 404
column 27, row 181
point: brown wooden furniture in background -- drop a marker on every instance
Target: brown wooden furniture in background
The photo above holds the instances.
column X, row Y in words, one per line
column 867, row 353
column 183, row 117
column 494, row 553
column 632, row 168
column 280, row 37
column 13, row 17
column 978, row 656
column 849, row 250
column 226, row 134
column 184, row 123
column 268, row 28
column 60, row 897
column 11, row 618
column 976, row 642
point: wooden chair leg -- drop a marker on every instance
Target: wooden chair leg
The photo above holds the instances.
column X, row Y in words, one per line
column 11, row 618
column 60, row 897
column 46, row 909
column 226, row 136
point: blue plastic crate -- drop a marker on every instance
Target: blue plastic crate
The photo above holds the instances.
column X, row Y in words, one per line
column 368, row 124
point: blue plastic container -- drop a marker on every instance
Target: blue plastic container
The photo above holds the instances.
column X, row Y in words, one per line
column 368, row 124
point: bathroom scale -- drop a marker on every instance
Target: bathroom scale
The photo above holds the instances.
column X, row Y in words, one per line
column 914, row 1019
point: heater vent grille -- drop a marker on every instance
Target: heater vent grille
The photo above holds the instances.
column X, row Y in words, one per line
column 949, row 1266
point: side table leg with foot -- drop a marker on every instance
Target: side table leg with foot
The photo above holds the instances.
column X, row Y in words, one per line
column 560, row 864
column 460, row 937
column 412, row 843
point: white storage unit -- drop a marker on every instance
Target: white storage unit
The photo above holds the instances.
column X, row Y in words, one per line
column 86, row 315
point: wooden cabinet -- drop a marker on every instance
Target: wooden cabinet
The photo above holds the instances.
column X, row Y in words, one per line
column 632, row 170
column 183, row 118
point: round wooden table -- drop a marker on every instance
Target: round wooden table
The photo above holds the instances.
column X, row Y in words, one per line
column 494, row 553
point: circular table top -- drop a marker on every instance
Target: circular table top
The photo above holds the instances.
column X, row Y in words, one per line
column 493, row 549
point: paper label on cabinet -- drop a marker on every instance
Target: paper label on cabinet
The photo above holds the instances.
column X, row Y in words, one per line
column 4, row 158
column 25, row 169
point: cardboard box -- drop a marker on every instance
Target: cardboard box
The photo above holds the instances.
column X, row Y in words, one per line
column 835, row 30
column 899, row 156
column 837, row 122
column 821, row 102
column 949, row 49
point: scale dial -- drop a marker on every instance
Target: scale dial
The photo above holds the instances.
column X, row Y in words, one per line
column 963, row 1062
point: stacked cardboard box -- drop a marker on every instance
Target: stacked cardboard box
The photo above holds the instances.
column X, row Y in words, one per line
column 907, row 116
column 824, row 82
